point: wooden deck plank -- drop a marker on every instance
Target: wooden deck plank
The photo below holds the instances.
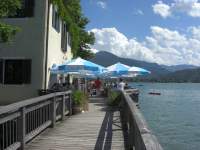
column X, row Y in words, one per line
column 97, row 129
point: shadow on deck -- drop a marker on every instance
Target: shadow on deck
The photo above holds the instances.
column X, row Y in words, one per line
column 110, row 134
column 98, row 129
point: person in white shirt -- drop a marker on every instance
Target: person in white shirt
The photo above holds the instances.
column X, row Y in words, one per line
column 121, row 84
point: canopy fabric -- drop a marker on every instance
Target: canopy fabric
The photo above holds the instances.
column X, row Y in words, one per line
column 138, row 71
column 54, row 69
column 78, row 66
column 118, row 68
column 83, row 67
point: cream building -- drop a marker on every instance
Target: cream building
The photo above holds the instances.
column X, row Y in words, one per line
column 25, row 63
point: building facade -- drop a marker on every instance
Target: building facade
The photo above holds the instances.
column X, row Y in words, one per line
column 43, row 40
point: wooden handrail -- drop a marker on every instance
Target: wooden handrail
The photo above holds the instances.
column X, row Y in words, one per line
column 140, row 136
column 24, row 103
column 22, row 121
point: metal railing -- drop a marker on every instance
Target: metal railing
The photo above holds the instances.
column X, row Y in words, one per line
column 20, row 122
column 138, row 134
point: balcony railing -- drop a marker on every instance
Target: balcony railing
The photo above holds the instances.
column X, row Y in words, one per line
column 20, row 122
column 138, row 134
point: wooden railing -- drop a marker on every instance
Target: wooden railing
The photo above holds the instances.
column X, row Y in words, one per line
column 20, row 122
column 138, row 134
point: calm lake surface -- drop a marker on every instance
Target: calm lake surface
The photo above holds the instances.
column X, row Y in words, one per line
column 174, row 116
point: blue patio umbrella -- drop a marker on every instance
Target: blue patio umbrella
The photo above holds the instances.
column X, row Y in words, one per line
column 117, row 69
column 100, row 71
column 138, row 71
column 54, row 69
column 78, row 66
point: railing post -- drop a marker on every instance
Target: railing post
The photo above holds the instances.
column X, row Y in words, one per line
column 21, row 128
column 63, row 107
column 53, row 112
column 70, row 103
column 130, row 133
column 135, row 96
column 123, row 112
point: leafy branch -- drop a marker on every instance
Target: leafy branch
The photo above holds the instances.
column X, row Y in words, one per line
column 71, row 12
column 8, row 8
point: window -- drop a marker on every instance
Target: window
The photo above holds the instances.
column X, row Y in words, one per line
column 26, row 10
column 16, row 71
column 64, row 37
column 55, row 19
column 1, row 71
column 69, row 39
column 29, row 8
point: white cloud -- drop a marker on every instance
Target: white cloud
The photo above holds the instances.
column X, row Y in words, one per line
column 162, row 9
column 94, row 50
column 190, row 7
column 111, row 40
column 138, row 12
column 167, row 38
column 164, row 46
column 195, row 31
column 195, row 11
column 102, row 4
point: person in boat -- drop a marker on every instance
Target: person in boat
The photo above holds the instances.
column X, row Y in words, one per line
column 121, row 84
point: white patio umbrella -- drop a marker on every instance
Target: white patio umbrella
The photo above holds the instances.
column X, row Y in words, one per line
column 78, row 66
column 116, row 70
column 138, row 71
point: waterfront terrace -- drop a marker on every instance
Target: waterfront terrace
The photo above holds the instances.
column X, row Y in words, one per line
column 46, row 122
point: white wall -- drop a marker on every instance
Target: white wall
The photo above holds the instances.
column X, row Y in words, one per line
column 29, row 43
column 55, row 54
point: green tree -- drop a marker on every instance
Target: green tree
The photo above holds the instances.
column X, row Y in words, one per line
column 8, row 8
column 85, row 39
column 71, row 13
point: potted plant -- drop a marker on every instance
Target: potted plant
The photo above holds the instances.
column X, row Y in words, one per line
column 80, row 101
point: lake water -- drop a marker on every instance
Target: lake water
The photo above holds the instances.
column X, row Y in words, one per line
column 174, row 116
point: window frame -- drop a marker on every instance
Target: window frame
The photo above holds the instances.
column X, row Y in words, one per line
column 23, row 79
column 2, row 71
column 55, row 18
column 69, row 39
column 64, row 37
column 26, row 11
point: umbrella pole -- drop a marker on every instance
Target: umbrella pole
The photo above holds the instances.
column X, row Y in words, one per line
column 85, row 85
column 79, row 84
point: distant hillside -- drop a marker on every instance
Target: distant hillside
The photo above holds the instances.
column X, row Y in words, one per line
column 178, row 67
column 160, row 73
column 106, row 59
column 188, row 75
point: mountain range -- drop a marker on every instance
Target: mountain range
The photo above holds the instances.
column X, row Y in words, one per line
column 179, row 67
column 187, row 75
column 160, row 73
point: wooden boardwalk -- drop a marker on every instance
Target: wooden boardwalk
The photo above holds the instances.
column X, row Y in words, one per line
column 98, row 129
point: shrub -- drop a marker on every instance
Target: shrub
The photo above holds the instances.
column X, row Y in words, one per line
column 78, row 97
column 114, row 98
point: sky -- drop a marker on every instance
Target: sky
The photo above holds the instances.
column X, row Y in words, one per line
column 165, row 32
